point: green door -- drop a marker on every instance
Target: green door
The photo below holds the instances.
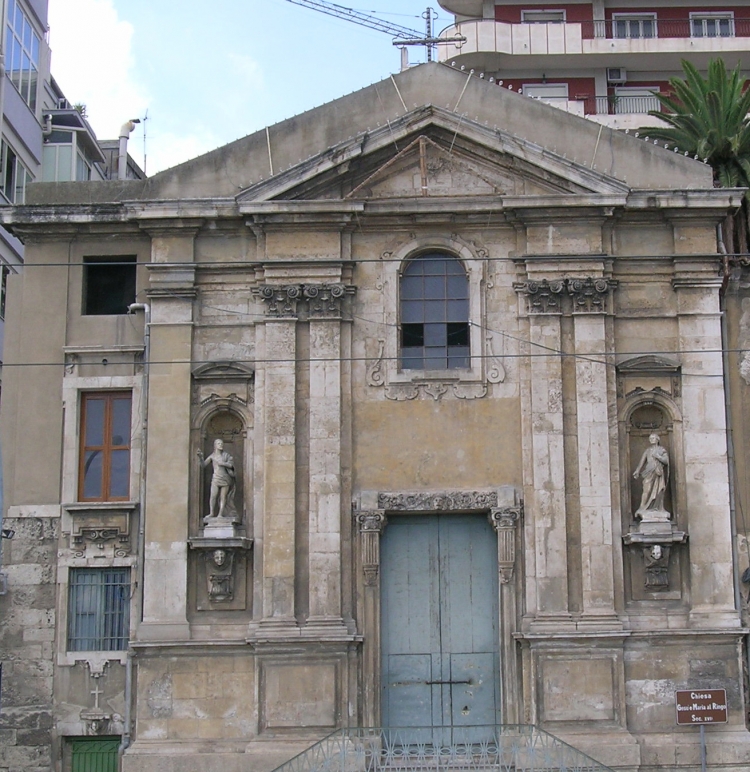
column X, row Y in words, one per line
column 89, row 754
column 439, row 624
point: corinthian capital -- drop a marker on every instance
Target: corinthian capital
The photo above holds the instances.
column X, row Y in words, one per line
column 280, row 299
column 325, row 300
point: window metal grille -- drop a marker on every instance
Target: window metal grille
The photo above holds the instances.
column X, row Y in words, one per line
column 90, row 755
column 98, row 609
column 434, row 314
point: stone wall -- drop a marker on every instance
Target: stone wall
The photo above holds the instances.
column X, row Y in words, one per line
column 27, row 636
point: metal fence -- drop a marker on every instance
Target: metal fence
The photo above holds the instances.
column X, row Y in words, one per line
column 504, row 748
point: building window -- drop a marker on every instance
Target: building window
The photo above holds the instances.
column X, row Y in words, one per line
column 634, row 25
column 104, row 473
column 108, row 285
column 434, row 313
column 22, row 53
column 98, row 609
column 712, row 25
column 15, row 176
column 542, row 17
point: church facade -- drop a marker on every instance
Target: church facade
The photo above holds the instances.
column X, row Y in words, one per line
column 408, row 411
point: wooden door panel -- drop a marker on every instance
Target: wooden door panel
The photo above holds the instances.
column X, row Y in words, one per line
column 439, row 622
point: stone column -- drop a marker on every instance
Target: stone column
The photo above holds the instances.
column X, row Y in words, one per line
column 324, row 303
column 705, row 448
column 547, row 567
column 171, row 295
column 279, row 457
column 590, row 300
column 505, row 521
column 371, row 524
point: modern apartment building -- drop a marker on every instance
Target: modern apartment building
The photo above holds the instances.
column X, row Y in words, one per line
column 602, row 59
column 26, row 94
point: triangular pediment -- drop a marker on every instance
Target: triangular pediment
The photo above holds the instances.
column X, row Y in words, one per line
column 427, row 168
column 432, row 153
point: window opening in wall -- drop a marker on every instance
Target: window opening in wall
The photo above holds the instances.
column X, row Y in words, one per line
column 713, row 25
column 104, row 473
column 22, row 53
column 542, row 17
column 108, row 285
column 634, row 25
column 434, row 314
column 98, row 609
column 14, row 176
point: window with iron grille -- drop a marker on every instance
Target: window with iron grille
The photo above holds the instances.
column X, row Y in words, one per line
column 434, row 313
column 104, row 473
column 98, row 609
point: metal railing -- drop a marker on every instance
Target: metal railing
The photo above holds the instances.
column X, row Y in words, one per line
column 503, row 748
column 645, row 29
column 621, row 105
column 603, row 105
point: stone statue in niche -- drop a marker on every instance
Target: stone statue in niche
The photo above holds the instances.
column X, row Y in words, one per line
column 223, row 483
column 653, row 469
column 219, row 575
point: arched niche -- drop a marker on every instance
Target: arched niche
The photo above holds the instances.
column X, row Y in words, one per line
column 646, row 419
column 228, row 427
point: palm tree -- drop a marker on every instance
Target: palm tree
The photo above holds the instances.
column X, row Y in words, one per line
column 709, row 118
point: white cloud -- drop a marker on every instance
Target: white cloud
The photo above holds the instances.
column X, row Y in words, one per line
column 92, row 62
column 247, row 71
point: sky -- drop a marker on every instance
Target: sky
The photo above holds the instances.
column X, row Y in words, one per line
column 207, row 72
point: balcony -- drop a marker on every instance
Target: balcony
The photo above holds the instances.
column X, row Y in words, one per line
column 492, row 45
column 617, row 112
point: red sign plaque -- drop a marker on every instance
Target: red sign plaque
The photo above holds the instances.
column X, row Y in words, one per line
column 701, row 706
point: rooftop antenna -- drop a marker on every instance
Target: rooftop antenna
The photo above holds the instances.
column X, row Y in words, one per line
column 402, row 36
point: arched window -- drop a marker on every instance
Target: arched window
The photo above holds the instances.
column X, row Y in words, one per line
column 434, row 313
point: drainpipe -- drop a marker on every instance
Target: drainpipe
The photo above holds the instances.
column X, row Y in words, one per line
column 140, row 552
column 122, row 158
column 128, row 717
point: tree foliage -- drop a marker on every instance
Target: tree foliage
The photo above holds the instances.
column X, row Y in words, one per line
column 708, row 117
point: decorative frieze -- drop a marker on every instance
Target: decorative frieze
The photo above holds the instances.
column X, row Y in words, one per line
column 505, row 520
column 324, row 301
column 588, row 295
column 107, row 527
column 448, row 501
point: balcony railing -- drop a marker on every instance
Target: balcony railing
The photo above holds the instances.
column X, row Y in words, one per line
column 639, row 29
column 604, row 105
column 443, row 749
column 619, row 36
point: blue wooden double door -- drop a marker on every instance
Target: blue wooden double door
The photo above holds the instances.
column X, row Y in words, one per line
column 439, row 622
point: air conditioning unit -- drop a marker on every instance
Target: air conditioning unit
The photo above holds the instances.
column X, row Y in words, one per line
column 616, row 75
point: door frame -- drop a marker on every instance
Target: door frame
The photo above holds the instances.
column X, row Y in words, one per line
column 504, row 509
